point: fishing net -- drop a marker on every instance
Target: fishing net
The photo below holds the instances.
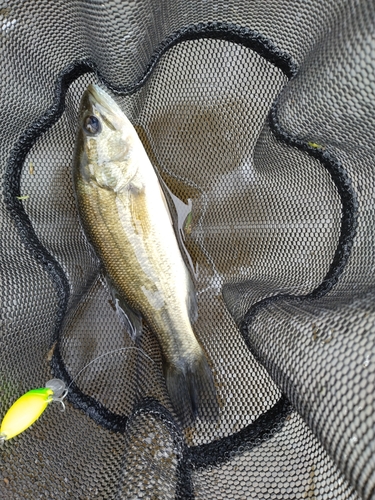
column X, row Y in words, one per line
column 259, row 118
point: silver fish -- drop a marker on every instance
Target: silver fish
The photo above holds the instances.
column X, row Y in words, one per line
column 126, row 219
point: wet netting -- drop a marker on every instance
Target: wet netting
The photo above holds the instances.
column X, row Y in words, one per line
column 259, row 118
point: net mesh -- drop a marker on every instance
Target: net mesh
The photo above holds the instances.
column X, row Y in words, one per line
column 258, row 117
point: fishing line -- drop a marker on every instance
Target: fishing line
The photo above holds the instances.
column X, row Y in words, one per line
column 29, row 407
column 66, row 389
column 105, row 354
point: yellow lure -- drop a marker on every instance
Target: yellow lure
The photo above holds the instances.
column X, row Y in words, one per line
column 29, row 407
column 25, row 411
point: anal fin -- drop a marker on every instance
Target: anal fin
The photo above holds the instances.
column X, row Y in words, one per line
column 130, row 318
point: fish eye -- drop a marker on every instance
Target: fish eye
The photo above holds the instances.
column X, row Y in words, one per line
column 92, row 125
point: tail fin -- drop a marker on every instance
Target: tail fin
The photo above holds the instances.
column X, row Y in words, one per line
column 192, row 390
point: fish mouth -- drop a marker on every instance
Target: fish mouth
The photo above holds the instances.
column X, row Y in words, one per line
column 96, row 98
column 96, row 92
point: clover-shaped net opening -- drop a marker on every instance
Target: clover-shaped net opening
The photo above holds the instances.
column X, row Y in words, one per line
column 259, row 119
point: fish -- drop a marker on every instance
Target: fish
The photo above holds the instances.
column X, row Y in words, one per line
column 125, row 217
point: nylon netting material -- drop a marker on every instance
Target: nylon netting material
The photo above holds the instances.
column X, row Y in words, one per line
column 280, row 179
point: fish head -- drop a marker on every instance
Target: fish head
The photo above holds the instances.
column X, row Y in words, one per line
column 105, row 141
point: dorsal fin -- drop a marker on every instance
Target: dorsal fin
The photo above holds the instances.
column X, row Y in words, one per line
column 191, row 298
column 165, row 203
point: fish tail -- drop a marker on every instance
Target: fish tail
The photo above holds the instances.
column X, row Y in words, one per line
column 192, row 389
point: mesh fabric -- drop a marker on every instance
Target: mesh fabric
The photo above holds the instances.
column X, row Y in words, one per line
column 258, row 116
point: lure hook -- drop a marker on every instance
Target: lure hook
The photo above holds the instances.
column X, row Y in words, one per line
column 61, row 399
